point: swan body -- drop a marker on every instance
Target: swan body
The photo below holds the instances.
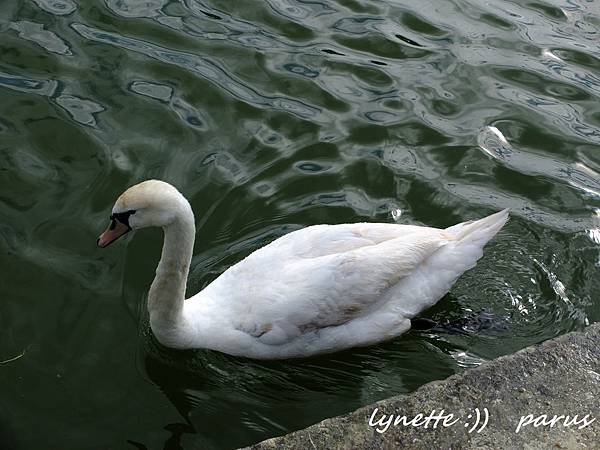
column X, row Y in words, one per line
column 316, row 290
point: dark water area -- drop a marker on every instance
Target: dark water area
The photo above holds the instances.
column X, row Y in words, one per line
column 271, row 116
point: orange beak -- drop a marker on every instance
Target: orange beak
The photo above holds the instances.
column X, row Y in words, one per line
column 114, row 231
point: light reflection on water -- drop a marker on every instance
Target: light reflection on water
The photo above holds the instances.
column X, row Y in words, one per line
column 270, row 117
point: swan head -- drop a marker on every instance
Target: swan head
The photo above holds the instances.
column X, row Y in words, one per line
column 151, row 203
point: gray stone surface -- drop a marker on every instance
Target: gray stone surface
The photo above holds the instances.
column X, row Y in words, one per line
column 558, row 377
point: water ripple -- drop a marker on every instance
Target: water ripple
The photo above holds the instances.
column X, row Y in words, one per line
column 40, row 87
column 204, row 67
column 57, row 7
column 153, row 90
column 81, row 110
column 35, row 32
column 134, row 8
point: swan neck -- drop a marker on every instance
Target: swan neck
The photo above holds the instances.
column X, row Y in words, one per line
column 167, row 293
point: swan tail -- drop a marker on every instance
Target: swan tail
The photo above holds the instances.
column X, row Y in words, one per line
column 470, row 238
column 460, row 252
column 479, row 232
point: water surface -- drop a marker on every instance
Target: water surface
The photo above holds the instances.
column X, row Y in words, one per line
column 272, row 116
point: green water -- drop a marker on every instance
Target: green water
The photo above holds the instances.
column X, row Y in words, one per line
column 270, row 116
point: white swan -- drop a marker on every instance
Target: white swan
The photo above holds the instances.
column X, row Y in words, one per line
column 316, row 290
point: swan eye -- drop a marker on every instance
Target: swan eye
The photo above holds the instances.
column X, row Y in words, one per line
column 122, row 217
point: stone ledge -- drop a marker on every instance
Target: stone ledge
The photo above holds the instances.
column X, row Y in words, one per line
column 558, row 377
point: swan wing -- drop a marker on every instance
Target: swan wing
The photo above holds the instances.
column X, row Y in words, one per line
column 321, row 278
column 321, row 240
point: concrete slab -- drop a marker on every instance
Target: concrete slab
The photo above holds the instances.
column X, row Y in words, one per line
column 545, row 396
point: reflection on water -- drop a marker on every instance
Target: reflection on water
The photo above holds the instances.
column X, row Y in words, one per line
column 270, row 117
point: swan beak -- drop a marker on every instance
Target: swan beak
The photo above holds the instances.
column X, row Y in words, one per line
column 115, row 230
